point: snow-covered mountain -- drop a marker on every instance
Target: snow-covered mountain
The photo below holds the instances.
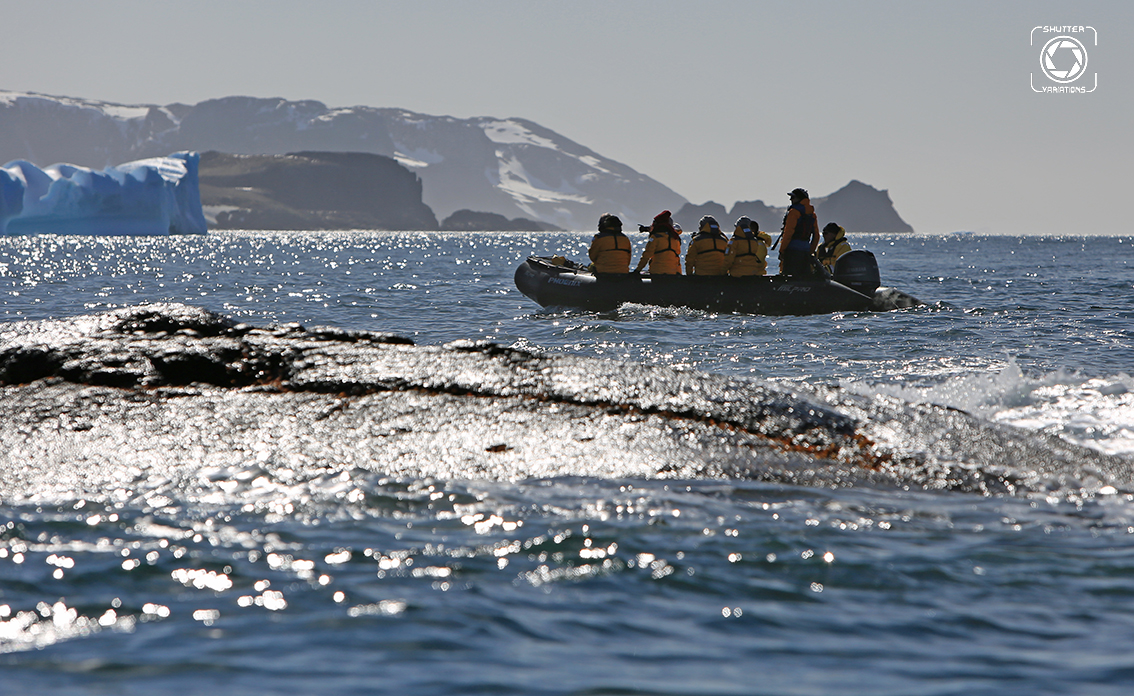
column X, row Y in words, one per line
column 511, row 167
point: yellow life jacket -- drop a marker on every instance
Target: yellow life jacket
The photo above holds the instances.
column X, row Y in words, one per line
column 747, row 255
column 663, row 252
column 829, row 252
column 707, row 255
column 611, row 252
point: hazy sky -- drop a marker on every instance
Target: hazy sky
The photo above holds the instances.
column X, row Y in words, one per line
column 718, row 99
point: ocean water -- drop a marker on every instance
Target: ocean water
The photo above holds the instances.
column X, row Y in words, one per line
column 351, row 582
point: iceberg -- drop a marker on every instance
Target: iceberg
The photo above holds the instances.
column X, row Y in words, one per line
column 155, row 196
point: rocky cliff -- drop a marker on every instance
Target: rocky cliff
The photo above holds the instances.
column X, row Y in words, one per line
column 311, row 191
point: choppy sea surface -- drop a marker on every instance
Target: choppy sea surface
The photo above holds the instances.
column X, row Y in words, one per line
column 353, row 584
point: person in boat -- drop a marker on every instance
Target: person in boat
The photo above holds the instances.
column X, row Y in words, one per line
column 663, row 250
column 747, row 253
column 800, row 237
column 610, row 249
column 706, row 256
column 834, row 245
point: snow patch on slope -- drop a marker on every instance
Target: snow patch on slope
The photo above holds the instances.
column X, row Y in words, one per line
column 509, row 132
column 593, row 163
column 416, row 158
column 515, row 180
column 117, row 111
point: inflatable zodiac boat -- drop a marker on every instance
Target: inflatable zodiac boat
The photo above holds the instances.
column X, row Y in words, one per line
column 855, row 286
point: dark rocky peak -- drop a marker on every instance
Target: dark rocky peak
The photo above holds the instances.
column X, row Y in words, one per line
column 473, row 221
column 690, row 214
column 859, row 207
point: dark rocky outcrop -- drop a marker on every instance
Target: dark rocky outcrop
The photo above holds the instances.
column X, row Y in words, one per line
column 312, row 191
column 109, row 402
column 770, row 219
column 689, row 215
column 473, row 221
column 858, row 207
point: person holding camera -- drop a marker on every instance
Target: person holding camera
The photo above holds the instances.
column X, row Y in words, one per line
column 663, row 250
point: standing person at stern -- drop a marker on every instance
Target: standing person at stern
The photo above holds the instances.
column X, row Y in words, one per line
column 800, row 238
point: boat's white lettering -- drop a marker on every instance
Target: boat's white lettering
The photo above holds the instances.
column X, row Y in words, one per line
column 561, row 281
column 794, row 288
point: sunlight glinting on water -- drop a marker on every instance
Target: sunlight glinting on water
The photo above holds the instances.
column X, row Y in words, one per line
column 273, row 535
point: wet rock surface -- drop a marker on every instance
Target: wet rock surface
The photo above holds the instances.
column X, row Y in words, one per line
column 148, row 397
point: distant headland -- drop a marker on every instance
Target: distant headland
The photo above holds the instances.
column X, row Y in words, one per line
column 280, row 164
column 857, row 207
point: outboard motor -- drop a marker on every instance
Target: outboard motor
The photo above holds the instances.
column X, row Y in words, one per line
column 858, row 270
